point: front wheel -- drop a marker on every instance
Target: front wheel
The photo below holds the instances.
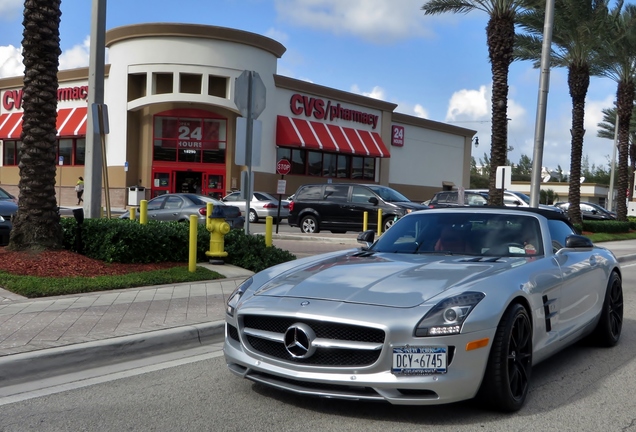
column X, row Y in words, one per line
column 309, row 225
column 253, row 217
column 507, row 378
column 388, row 223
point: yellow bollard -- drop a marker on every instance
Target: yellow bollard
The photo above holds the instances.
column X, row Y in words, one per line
column 143, row 212
column 133, row 213
column 269, row 222
column 379, row 222
column 365, row 221
column 192, row 256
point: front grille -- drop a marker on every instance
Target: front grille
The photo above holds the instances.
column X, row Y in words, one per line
column 323, row 330
column 343, row 357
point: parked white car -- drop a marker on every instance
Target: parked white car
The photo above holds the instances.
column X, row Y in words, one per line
column 261, row 205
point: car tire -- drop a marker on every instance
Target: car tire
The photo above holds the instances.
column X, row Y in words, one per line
column 608, row 330
column 309, row 225
column 507, row 378
column 388, row 223
column 253, row 217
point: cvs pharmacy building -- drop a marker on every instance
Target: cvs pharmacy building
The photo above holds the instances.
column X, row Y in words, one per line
column 170, row 91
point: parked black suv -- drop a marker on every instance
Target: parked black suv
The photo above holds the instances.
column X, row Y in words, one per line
column 340, row 207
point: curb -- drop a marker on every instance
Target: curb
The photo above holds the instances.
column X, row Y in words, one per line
column 627, row 258
column 315, row 238
column 45, row 363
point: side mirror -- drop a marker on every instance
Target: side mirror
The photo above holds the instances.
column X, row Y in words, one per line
column 373, row 200
column 367, row 237
column 578, row 241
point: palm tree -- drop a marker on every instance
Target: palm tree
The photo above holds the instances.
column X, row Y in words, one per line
column 36, row 225
column 619, row 64
column 575, row 46
column 606, row 129
column 500, row 34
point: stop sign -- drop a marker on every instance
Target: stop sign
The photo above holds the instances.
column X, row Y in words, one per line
column 283, row 167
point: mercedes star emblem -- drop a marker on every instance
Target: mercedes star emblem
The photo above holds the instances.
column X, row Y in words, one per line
column 298, row 341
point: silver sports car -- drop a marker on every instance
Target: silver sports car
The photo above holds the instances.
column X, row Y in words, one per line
column 449, row 304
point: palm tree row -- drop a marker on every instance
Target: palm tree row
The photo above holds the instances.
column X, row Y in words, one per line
column 589, row 39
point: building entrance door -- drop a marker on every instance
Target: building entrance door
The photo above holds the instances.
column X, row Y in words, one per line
column 188, row 182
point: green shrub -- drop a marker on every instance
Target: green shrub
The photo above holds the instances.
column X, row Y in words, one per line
column 126, row 241
column 606, row 226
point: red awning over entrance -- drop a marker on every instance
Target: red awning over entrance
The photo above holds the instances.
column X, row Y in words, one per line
column 295, row 132
column 71, row 122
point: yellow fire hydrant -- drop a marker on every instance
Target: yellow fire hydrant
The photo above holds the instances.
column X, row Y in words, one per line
column 218, row 227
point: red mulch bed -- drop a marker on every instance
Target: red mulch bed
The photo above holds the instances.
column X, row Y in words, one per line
column 62, row 263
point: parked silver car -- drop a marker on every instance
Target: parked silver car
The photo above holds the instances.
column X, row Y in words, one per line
column 261, row 205
column 179, row 207
column 449, row 304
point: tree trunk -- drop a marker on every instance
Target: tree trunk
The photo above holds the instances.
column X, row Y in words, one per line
column 624, row 106
column 500, row 33
column 36, row 225
column 578, row 83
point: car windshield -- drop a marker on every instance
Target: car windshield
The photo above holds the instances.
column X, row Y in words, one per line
column 388, row 194
column 523, row 197
column 479, row 234
column 4, row 194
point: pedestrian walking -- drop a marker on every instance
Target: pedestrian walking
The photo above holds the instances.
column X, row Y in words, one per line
column 79, row 188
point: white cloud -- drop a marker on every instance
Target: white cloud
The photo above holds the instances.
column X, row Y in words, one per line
column 375, row 93
column 10, row 61
column 277, row 35
column 10, row 9
column 77, row 56
column 420, row 111
column 469, row 105
column 376, row 20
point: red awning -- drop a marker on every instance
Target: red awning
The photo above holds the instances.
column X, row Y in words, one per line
column 295, row 132
column 71, row 122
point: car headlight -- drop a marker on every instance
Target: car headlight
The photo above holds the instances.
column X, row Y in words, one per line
column 447, row 317
column 236, row 296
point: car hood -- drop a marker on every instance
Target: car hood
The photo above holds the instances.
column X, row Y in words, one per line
column 409, row 205
column 394, row 280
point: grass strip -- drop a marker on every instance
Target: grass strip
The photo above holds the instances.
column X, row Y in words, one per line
column 33, row 286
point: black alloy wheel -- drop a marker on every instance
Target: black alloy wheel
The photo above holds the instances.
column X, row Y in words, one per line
column 507, row 378
column 608, row 331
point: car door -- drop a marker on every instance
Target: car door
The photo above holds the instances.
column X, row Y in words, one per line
column 155, row 205
column 333, row 209
column 171, row 209
column 582, row 275
column 361, row 202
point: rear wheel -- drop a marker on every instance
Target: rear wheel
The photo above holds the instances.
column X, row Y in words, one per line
column 253, row 217
column 608, row 330
column 309, row 225
column 507, row 378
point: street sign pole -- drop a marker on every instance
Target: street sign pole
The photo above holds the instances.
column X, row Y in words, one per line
column 248, row 150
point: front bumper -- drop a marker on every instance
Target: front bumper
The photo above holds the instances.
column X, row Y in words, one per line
column 373, row 382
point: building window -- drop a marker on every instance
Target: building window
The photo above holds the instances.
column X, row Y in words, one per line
column 73, row 150
column 181, row 138
column 316, row 163
column 10, row 153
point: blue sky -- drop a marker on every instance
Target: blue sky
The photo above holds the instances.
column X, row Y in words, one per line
column 431, row 66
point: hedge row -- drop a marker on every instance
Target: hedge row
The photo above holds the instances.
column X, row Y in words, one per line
column 127, row 241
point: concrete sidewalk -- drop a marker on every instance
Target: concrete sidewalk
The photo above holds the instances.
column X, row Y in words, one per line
column 48, row 336
column 54, row 334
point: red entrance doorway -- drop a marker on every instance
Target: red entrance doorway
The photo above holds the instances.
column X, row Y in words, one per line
column 172, row 180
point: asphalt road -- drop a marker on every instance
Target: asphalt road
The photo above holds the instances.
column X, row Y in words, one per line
column 582, row 388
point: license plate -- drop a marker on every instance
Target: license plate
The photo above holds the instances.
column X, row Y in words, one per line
column 419, row 360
